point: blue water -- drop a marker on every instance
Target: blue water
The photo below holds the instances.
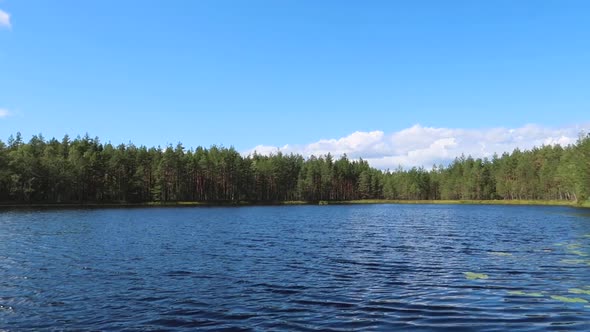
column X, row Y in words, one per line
column 300, row 268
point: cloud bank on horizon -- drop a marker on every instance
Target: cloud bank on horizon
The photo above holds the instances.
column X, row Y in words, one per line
column 5, row 19
column 428, row 146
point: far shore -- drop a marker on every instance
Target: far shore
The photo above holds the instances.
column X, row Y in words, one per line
column 92, row 205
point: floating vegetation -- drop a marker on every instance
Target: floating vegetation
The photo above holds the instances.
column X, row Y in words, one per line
column 579, row 253
column 475, row 276
column 517, row 293
column 572, row 261
column 568, row 299
column 559, row 244
column 579, row 291
column 521, row 293
column 500, row 253
column 574, row 246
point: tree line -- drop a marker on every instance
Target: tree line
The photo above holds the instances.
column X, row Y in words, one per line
column 84, row 170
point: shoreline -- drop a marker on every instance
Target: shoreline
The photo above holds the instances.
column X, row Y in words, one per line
column 90, row 205
column 521, row 202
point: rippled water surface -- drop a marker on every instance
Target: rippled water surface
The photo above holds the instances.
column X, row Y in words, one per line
column 370, row 267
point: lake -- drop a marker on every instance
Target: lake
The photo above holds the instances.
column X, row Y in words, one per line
column 299, row 268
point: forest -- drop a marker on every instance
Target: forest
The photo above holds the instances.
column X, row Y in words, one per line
column 84, row 170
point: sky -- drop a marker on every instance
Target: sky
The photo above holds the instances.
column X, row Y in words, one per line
column 409, row 83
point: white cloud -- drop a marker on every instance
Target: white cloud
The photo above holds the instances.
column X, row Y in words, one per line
column 4, row 113
column 5, row 19
column 427, row 146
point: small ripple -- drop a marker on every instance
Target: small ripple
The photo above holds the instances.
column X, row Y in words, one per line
column 163, row 322
column 151, row 299
column 179, row 273
column 325, row 303
column 6, row 308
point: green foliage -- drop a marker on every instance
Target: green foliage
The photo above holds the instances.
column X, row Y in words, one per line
column 85, row 170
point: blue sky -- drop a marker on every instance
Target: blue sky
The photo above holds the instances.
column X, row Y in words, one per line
column 275, row 73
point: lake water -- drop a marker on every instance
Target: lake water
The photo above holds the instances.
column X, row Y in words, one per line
column 301, row 268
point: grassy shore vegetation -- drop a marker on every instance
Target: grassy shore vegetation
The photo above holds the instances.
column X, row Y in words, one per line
column 470, row 202
column 289, row 203
column 85, row 171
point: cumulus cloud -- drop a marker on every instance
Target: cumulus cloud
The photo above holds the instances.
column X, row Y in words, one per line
column 427, row 146
column 5, row 19
column 4, row 113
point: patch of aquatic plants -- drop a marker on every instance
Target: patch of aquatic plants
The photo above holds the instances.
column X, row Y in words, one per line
column 569, row 248
column 475, row 276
